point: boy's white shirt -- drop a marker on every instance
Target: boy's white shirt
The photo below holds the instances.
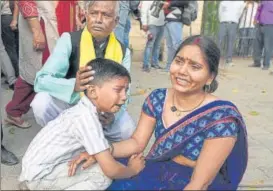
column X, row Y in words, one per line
column 75, row 130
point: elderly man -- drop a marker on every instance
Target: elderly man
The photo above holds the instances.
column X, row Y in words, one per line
column 64, row 76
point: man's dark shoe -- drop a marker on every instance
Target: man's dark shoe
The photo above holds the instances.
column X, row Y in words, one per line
column 11, row 86
column 7, row 157
column 265, row 68
column 254, row 65
column 156, row 66
column 146, row 69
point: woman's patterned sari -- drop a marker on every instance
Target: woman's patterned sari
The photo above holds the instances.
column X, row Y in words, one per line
column 186, row 137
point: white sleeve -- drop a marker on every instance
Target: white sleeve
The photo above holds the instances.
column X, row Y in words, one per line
column 144, row 12
column 89, row 132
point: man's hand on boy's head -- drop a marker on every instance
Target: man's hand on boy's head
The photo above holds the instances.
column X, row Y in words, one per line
column 106, row 118
column 73, row 164
column 83, row 77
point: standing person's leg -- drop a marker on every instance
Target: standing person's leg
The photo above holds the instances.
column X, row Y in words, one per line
column 6, row 65
column 221, row 36
column 149, row 48
column 251, row 32
column 46, row 108
column 127, row 32
column 9, row 41
column 157, row 45
column 7, row 157
column 123, row 16
column 232, row 33
column 174, row 37
column 20, row 103
column 258, row 47
column 268, row 46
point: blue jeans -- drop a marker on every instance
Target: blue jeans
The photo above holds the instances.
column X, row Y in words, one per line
column 173, row 32
column 153, row 45
column 126, row 32
column 263, row 42
column 123, row 16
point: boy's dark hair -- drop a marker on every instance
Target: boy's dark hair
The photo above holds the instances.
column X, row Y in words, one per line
column 106, row 70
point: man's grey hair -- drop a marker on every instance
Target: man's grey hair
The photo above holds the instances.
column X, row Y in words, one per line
column 88, row 4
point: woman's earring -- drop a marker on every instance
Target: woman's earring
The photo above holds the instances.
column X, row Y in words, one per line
column 207, row 88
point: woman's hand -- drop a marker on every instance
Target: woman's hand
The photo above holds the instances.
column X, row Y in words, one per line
column 137, row 163
column 13, row 25
column 39, row 42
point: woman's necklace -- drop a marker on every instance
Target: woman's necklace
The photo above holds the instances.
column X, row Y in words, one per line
column 179, row 112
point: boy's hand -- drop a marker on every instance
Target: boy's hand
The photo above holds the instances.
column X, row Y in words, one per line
column 83, row 77
column 89, row 160
column 137, row 163
column 106, row 118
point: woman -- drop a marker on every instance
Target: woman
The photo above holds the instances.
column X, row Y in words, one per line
column 40, row 22
column 201, row 140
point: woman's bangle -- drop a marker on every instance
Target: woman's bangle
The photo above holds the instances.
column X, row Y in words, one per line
column 31, row 18
column 111, row 148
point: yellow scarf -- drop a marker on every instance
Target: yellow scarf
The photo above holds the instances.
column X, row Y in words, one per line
column 87, row 50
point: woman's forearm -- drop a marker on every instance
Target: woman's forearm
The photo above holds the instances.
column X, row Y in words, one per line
column 126, row 148
column 15, row 11
column 34, row 25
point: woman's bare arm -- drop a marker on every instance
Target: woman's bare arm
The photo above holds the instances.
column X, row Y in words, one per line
column 139, row 140
column 212, row 157
column 115, row 170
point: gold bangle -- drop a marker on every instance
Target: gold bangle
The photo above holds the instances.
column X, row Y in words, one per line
column 31, row 18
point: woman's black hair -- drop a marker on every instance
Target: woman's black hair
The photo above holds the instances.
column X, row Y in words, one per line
column 211, row 54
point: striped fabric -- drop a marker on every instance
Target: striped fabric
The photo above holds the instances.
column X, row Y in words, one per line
column 73, row 131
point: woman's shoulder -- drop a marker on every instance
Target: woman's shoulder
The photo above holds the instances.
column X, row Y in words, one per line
column 226, row 107
column 158, row 93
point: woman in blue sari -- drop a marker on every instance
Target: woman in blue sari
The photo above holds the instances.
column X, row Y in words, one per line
column 201, row 140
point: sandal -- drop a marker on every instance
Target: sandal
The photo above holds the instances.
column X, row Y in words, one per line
column 22, row 124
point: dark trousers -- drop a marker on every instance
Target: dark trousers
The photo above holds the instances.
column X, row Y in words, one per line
column 263, row 42
column 1, row 134
column 10, row 41
column 228, row 29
